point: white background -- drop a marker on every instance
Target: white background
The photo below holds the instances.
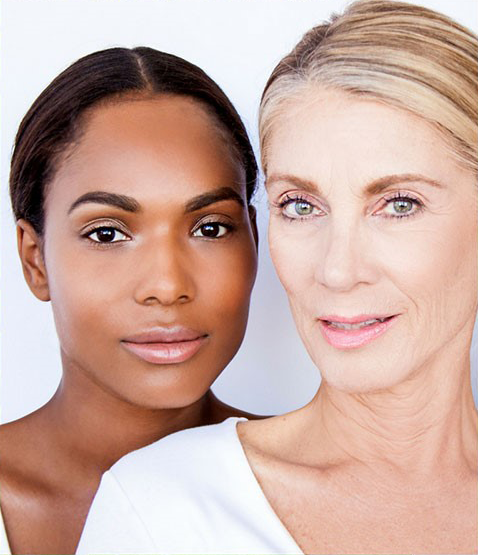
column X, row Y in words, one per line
column 237, row 42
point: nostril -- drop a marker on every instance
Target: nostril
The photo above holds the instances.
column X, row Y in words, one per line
column 151, row 300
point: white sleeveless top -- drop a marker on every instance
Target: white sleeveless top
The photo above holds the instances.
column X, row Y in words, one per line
column 192, row 492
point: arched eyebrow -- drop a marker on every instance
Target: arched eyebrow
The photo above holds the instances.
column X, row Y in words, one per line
column 123, row 202
column 382, row 183
column 298, row 182
column 374, row 188
column 129, row 204
column 223, row 193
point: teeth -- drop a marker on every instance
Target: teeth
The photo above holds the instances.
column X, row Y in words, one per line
column 359, row 325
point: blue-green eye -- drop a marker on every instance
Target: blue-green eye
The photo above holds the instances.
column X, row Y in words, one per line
column 211, row 230
column 106, row 235
column 401, row 207
column 298, row 208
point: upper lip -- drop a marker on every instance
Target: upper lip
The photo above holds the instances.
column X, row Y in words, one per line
column 165, row 334
column 354, row 319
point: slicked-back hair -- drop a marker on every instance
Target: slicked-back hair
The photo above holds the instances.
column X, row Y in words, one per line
column 394, row 52
column 55, row 118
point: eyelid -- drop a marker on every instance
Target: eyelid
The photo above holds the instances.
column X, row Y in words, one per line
column 104, row 222
column 401, row 194
column 387, row 199
column 219, row 219
column 213, row 218
column 89, row 236
column 95, row 226
column 292, row 197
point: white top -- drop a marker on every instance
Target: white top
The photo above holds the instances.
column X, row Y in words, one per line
column 4, row 547
column 192, row 492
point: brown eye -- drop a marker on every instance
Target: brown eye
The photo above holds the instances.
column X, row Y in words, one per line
column 106, row 235
column 211, row 230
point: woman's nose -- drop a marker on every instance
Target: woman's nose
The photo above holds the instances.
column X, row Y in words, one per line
column 164, row 276
column 344, row 261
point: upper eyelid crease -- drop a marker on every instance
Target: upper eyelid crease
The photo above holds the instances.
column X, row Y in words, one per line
column 96, row 226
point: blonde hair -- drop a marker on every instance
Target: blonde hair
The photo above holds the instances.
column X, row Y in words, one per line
column 398, row 53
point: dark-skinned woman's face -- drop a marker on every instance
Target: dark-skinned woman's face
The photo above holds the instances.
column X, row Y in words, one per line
column 149, row 251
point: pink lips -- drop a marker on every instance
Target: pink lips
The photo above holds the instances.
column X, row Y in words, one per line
column 165, row 345
column 350, row 333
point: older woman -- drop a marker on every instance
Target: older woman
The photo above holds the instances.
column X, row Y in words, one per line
column 369, row 144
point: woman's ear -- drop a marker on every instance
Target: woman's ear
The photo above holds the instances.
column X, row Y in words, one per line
column 253, row 219
column 33, row 264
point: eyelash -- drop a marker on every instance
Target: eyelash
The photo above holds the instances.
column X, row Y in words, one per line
column 214, row 220
column 114, row 226
column 94, row 228
column 401, row 195
column 288, row 200
column 398, row 196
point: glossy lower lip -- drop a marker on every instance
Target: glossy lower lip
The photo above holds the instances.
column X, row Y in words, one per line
column 352, row 339
column 165, row 353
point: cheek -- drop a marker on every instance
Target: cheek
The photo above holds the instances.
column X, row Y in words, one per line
column 294, row 257
column 436, row 269
column 226, row 280
column 84, row 294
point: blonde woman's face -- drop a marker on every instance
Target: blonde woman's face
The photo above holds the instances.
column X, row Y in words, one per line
column 373, row 233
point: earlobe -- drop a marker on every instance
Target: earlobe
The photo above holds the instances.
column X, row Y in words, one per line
column 253, row 218
column 31, row 256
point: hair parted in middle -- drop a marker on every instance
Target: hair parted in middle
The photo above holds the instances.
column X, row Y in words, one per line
column 398, row 53
column 55, row 120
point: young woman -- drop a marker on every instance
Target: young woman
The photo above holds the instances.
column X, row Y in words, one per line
column 131, row 183
column 369, row 146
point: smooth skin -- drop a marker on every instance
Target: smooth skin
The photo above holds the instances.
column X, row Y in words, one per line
column 372, row 214
column 177, row 247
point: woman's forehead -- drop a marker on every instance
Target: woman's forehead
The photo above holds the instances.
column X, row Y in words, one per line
column 165, row 143
column 330, row 134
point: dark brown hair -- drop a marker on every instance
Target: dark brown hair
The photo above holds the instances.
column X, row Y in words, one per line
column 54, row 120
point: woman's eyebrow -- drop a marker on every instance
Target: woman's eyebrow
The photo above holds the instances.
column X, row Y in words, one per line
column 223, row 193
column 112, row 199
column 373, row 188
column 305, row 184
column 382, row 183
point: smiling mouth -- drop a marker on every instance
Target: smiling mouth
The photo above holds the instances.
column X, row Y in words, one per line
column 358, row 325
column 351, row 333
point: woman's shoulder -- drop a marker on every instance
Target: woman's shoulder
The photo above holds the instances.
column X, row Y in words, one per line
column 175, row 488
column 16, row 451
column 193, row 453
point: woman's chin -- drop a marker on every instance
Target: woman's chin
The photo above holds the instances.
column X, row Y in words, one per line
column 362, row 374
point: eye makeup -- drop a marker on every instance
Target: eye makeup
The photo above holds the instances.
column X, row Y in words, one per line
column 399, row 205
column 105, row 232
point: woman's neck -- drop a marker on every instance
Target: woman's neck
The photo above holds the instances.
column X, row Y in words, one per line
column 422, row 425
column 87, row 429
